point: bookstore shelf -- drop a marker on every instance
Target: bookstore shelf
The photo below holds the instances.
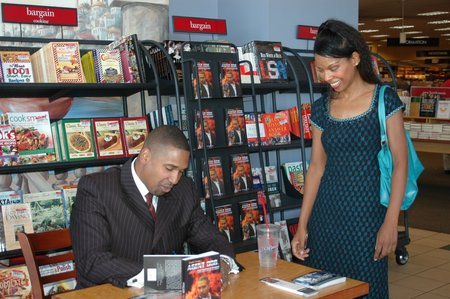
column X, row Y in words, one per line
column 295, row 144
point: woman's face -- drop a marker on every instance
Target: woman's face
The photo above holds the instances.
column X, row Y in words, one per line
column 338, row 72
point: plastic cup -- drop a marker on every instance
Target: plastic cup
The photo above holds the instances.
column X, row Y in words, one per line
column 268, row 237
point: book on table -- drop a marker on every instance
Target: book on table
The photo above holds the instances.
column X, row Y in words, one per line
column 319, row 279
column 290, row 287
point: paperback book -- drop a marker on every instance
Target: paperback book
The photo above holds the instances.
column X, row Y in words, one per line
column 15, row 282
column 47, row 210
column 230, row 80
column 216, row 175
column 251, row 130
column 16, row 67
column 295, row 121
column 205, row 79
column 209, row 123
column 9, row 153
column 276, row 127
column 225, row 221
column 108, row 138
column 289, row 286
column 76, row 139
column 241, row 173
column 249, row 213
column 271, row 177
column 163, row 272
column 69, row 194
column 285, row 243
column 135, row 131
column 294, row 173
column 319, row 279
column 16, row 218
column 235, row 126
column 108, row 66
column 201, row 276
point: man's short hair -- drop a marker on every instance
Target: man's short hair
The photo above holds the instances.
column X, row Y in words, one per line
column 164, row 136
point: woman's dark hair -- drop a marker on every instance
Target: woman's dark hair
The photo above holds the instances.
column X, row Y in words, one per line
column 339, row 40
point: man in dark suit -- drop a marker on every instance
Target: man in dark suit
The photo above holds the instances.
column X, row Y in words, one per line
column 112, row 226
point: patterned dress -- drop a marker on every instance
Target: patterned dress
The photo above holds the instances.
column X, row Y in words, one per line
column 347, row 212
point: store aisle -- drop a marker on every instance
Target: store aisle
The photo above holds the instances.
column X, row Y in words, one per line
column 427, row 273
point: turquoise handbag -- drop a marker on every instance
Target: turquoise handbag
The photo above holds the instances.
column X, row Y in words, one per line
column 415, row 167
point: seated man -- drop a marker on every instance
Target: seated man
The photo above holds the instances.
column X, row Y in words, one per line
column 113, row 225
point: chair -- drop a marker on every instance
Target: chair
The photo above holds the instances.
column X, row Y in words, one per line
column 40, row 249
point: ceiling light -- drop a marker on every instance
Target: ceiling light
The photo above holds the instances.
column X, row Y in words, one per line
column 433, row 13
column 423, row 36
column 388, row 20
column 439, row 22
column 412, row 32
column 369, row 30
column 380, row 35
column 445, row 34
column 361, row 24
column 442, row 29
column 402, row 27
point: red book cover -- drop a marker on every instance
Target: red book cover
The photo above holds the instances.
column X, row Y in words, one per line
column 276, row 125
column 294, row 121
column 235, row 126
column 249, row 218
column 306, row 116
column 108, row 138
column 134, row 132
column 241, row 173
column 216, row 175
column 205, row 78
column 225, row 221
column 209, row 124
column 230, row 80
column 201, row 276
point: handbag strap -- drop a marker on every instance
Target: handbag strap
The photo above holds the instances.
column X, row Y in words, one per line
column 382, row 115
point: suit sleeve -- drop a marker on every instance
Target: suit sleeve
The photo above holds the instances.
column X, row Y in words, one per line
column 203, row 235
column 91, row 240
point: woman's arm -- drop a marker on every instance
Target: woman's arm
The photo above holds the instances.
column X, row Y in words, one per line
column 388, row 232
column 312, row 182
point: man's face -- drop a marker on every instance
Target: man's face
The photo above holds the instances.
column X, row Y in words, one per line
column 202, row 78
column 202, row 288
column 162, row 168
column 241, row 170
column 235, row 124
column 213, row 174
column 229, row 77
column 206, row 126
column 223, row 224
column 249, row 217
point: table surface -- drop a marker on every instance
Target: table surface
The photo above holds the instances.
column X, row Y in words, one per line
column 243, row 285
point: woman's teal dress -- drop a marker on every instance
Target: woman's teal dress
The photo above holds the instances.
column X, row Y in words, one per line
column 347, row 212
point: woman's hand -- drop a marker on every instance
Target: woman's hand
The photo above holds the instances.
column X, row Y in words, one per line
column 299, row 243
column 386, row 240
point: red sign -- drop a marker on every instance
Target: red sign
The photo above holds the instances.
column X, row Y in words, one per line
column 199, row 25
column 45, row 15
column 306, row 32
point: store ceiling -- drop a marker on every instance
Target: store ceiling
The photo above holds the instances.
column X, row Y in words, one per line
column 371, row 10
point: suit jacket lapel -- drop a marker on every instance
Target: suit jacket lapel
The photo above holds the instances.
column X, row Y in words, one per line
column 134, row 199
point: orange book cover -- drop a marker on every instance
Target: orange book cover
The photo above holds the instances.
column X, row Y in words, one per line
column 225, row 221
column 277, row 127
column 294, row 121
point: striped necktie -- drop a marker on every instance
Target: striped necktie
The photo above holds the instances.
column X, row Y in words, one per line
column 150, row 205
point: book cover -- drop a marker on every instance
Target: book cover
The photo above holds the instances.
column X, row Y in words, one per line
column 16, row 67
column 277, row 128
column 88, row 63
column 249, row 213
column 251, row 130
column 16, row 218
column 285, row 243
column 230, row 80
column 241, row 172
column 306, row 120
column 56, row 141
column 319, row 279
column 275, row 200
column 78, row 138
column 108, row 138
column 163, row 272
column 205, row 79
column 270, row 61
column 294, row 173
column 132, row 68
column 134, row 132
column 216, row 175
column 15, row 282
column 108, row 66
column 69, row 194
column 235, row 126
column 47, row 210
column 9, row 153
column 271, row 177
column 289, row 286
column 59, row 286
column 225, row 221
column 209, row 124
column 8, row 198
column 33, row 136
column 201, row 276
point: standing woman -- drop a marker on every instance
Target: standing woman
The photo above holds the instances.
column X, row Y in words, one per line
column 342, row 227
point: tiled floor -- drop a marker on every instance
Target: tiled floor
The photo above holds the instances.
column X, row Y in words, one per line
column 427, row 273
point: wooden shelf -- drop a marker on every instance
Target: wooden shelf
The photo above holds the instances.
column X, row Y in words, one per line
column 432, row 146
column 426, row 119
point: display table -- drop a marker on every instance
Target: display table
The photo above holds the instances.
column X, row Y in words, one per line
column 243, row 285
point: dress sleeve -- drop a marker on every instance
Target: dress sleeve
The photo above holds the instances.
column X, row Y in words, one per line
column 318, row 113
column 392, row 102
